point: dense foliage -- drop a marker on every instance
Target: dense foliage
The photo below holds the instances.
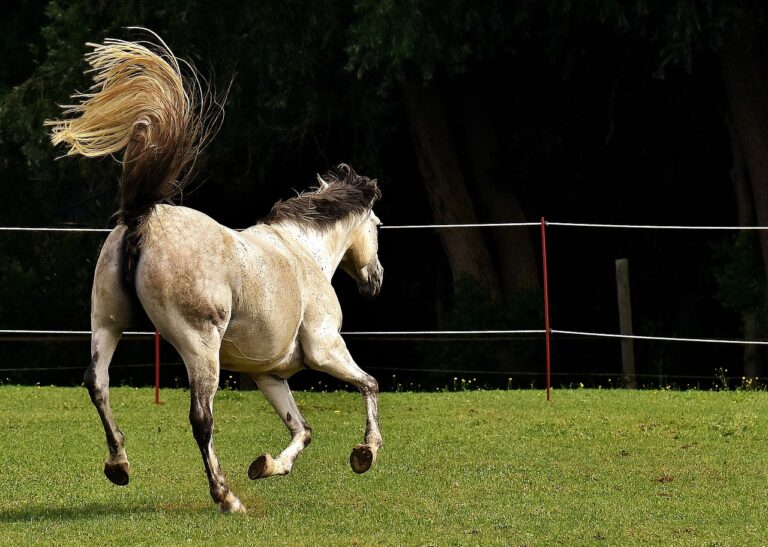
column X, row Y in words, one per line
column 465, row 111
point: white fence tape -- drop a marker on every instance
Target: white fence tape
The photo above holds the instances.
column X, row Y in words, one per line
column 20, row 332
column 436, row 333
column 21, row 229
column 652, row 226
column 482, row 225
column 660, row 338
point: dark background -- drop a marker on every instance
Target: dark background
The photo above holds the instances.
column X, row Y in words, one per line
column 599, row 111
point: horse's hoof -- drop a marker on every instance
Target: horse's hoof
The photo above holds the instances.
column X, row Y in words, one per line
column 232, row 505
column 117, row 472
column 262, row 467
column 361, row 459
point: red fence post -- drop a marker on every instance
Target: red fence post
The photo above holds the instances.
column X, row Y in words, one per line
column 546, row 300
column 157, row 368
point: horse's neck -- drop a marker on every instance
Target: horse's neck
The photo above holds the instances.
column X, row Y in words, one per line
column 325, row 247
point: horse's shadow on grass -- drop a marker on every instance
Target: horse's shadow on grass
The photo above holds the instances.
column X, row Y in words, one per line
column 87, row 511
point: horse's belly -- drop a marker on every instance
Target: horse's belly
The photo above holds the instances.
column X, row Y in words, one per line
column 260, row 355
column 266, row 314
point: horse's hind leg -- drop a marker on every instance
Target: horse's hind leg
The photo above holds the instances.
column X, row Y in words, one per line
column 111, row 313
column 278, row 393
column 328, row 353
column 96, row 379
column 201, row 358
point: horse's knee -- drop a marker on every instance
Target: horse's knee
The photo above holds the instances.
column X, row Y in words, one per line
column 369, row 385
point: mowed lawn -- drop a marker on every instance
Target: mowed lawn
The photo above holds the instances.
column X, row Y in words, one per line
column 475, row 468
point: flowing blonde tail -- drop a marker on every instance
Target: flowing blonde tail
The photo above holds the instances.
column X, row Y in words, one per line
column 142, row 103
column 134, row 88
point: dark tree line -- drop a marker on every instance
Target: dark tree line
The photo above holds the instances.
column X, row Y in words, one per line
column 489, row 111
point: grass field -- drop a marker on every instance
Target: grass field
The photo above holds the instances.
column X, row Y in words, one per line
column 494, row 467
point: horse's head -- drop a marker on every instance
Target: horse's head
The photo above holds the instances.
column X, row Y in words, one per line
column 361, row 260
column 341, row 207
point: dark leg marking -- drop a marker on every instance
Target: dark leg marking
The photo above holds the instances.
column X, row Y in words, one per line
column 308, row 436
column 202, row 429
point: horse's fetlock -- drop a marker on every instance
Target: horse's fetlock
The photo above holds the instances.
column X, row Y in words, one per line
column 306, row 436
column 219, row 492
column 231, row 505
column 202, row 434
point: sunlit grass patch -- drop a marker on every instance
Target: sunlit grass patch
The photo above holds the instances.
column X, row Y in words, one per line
column 475, row 467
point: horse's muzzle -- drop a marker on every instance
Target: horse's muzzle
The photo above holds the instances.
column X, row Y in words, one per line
column 372, row 287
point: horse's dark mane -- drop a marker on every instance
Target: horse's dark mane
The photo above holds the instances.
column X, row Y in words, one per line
column 341, row 194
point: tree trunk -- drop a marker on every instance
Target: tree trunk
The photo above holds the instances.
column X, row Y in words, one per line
column 746, row 85
column 497, row 200
column 745, row 212
column 446, row 186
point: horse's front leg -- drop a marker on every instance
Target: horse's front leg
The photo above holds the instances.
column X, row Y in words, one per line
column 328, row 353
column 277, row 392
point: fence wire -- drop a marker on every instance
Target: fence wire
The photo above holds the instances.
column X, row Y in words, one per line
column 21, row 334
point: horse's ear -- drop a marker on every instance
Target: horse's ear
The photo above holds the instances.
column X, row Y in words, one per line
column 374, row 184
column 346, row 172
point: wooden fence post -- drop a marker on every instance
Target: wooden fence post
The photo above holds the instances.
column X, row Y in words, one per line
column 625, row 323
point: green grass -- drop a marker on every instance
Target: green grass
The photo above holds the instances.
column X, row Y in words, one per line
column 497, row 467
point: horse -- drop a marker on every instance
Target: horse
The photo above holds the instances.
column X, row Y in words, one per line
column 257, row 301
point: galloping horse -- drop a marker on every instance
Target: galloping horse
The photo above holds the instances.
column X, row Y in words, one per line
column 258, row 301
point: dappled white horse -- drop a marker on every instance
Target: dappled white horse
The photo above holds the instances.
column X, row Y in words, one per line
column 258, row 301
